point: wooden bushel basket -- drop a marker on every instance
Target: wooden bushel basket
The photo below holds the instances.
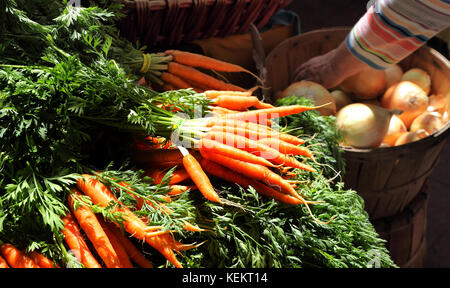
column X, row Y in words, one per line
column 387, row 179
column 405, row 233
column 163, row 23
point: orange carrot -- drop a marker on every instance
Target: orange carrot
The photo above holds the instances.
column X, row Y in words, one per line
column 191, row 74
column 16, row 258
column 3, row 263
column 101, row 195
column 117, row 245
column 167, row 87
column 178, row 175
column 213, row 146
column 202, row 61
column 237, row 102
column 212, row 94
column 160, row 158
column 224, row 173
column 200, row 179
column 134, row 253
column 174, row 81
column 287, row 148
column 179, row 189
column 76, row 243
column 216, row 110
column 258, row 149
column 90, row 225
column 277, row 195
column 253, row 171
column 270, row 113
column 41, row 260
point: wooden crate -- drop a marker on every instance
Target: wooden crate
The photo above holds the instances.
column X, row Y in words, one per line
column 386, row 178
column 165, row 23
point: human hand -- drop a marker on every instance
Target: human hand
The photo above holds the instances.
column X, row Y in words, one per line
column 331, row 68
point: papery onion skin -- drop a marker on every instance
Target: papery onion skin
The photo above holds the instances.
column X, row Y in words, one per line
column 396, row 129
column 428, row 121
column 407, row 97
column 394, row 75
column 313, row 91
column 410, row 137
column 363, row 125
column 367, row 84
column 419, row 77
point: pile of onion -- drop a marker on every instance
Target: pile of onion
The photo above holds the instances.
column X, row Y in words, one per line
column 318, row 94
column 407, row 97
column 410, row 136
column 341, row 98
column 367, row 84
column 428, row 121
column 363, row 125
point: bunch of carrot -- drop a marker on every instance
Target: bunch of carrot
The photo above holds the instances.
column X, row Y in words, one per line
column 13, row 257
column 183, row 70
column 238, row 146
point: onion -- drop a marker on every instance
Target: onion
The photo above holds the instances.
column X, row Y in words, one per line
column 372, row 101
column 419, row 77
column 363, row 125
column 393, row 75
column 341, row 98
column 428, row 121
column 367, row 84
column 407, row 97
column 313, row 91
column 437, row 103
column 409, row 137
column 396, row 129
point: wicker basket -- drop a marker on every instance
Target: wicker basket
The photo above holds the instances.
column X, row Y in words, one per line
column 387, row 179
column 165, row 23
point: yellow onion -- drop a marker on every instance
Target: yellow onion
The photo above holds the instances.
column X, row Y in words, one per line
column 409, row 137
column 367, row 84
column 407, row 97
column 419, row 77
column 396, row 129
column 341, row 98
column 318, row 94
column 428, row 121
column 363, row 125
column 393, row 75
column 437, row 103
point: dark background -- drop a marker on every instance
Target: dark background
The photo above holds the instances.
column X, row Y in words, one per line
column 316, row 14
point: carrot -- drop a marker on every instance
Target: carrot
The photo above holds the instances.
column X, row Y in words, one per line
column 191, row 227
column 91, row 226
column 202, row 61
column 160, row 158
column 179, row 189
column 16, row 258
column 270, row 113
column 237, row 102
column 253, row 171
column 41, row 260
column 3, row 263
column 117, row 245
column 178, row 175
column 216, row 110
column 258, row 149
column 76, row 243
column 101, row 195
column 224, row 173
column 277, row 195
column 134, row 253
column 212, row 94
column 200, row 179
column 213, row 146
column 174, row 81
column 167, row 87
column 191, row 74
column 287, row 148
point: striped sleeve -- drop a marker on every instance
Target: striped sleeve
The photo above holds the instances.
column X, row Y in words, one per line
column 391, row 30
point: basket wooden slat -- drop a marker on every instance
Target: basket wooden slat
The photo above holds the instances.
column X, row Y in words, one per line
column 158, row 23
column 388, row 179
